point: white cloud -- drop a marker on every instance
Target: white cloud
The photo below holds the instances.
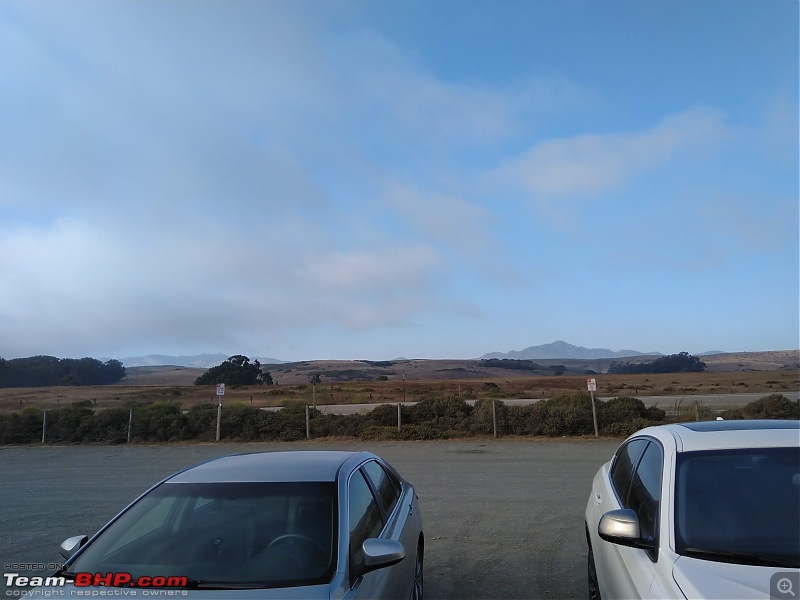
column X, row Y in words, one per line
column 586, row 165
column 446, row 218
column 86, row 284
column 368, row 271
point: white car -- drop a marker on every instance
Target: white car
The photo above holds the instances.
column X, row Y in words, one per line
column 698, row 510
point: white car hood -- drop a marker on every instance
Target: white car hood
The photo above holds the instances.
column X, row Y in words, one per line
column 709, row 579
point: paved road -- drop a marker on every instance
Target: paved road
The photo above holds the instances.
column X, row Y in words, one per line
column 503, row 519
column 712, row 401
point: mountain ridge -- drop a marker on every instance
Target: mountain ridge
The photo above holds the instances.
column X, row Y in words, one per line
column 554, row 350
column 562, row 349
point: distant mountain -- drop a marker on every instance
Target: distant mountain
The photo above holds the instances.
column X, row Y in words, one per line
column 561, row 349
column 197, row 361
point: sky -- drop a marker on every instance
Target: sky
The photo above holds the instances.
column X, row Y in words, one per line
column 358, row 179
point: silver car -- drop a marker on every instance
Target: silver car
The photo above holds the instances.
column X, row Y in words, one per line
column 698, row 510
column 305, row 524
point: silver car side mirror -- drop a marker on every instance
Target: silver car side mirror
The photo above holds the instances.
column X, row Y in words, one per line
column 622, row 527
column 71, row 545
column 381, row 553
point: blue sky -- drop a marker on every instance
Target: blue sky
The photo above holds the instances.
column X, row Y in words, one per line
column 309, row 180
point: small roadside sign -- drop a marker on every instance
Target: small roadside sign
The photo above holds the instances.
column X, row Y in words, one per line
column 591, row 383
column 220, row 389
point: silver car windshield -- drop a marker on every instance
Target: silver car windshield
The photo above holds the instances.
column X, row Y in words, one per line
column 740, row 506
column 220, row 535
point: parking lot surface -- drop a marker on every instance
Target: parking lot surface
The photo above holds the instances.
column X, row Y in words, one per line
column 503, row 519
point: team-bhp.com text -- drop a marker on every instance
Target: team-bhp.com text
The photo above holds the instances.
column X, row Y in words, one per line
column 84, row 580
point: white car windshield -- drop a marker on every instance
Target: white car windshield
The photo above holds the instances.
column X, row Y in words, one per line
column 223, row 535
column 740, row 506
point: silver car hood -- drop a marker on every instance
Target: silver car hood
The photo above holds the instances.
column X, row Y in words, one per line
column 710, row 579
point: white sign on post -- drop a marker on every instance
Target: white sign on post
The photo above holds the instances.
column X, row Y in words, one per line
column 220, row 389
column 591, row 383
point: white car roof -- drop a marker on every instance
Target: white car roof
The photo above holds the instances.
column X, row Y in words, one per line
column 720, row 435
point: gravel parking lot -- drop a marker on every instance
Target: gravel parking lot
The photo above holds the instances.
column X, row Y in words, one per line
column 503, row 519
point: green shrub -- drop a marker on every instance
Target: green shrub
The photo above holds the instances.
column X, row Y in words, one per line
column 378, row 433
column 23, row 427
column 384, row 414
column 447, row 413
column 619, row 409
column 564, row 415
column 327, row 425
column 482, row 422
column 160, row 421
column 732, row 414
column 239, row 422
column 67, row 424
column 626, row 428
column 201, row 422
column 110, row 426
column 422, row 431
column 774, row 406
column 280, row 426
column 619, row 415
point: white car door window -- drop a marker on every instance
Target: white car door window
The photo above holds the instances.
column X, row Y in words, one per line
column 644, row 497
column 636, row 470
column 625, row 462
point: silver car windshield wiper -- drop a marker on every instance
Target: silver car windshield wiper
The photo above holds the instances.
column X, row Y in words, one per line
column 749, row 558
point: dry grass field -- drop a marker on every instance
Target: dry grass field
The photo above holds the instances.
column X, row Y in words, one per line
column 356, row 382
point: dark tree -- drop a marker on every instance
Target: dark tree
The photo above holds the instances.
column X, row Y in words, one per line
column 237, row 370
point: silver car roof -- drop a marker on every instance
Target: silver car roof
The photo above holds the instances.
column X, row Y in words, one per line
column 300, row 465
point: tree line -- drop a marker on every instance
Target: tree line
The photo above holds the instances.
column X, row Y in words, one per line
column 41, row 371
column 682, row 362
column 521, row 365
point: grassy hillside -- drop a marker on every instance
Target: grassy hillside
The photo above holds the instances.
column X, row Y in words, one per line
column 353, row 382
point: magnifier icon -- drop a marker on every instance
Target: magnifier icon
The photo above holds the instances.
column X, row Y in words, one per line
column 785, row 587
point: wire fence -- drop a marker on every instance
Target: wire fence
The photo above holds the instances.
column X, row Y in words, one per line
column 438, row 418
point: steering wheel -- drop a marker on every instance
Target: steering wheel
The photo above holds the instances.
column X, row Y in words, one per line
column 307, row 541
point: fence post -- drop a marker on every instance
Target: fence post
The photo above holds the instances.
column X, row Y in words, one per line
column 308, row 424
column 398, row 416
column 44, row 424
column 219, row 419
column 130, row 425
column 494, row 417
